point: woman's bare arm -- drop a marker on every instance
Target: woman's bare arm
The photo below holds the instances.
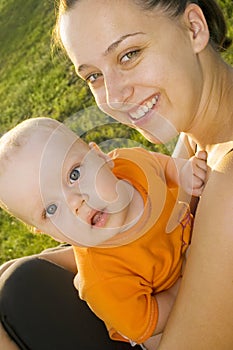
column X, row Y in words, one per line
column 202, row 316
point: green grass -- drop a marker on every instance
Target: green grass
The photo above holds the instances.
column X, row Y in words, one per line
column 16, row 239
column 34, row 82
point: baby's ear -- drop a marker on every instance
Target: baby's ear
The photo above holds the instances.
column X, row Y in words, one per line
column 101, row 154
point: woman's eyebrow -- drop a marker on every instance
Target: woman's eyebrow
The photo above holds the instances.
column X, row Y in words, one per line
column 110, row 49
column 116, row 43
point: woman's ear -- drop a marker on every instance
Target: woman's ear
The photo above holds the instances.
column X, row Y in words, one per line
column 101, row 154
column 198, row 28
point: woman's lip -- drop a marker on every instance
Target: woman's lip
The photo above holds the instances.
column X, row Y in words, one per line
column 140, row 122
column 144, row 109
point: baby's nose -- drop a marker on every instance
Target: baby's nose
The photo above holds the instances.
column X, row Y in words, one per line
column 75, row 201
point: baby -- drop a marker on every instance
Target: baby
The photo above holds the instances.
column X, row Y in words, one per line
column 120, row 211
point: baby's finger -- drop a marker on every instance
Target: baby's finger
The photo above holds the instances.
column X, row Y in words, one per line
column 202, row 164
column 201, row 154
column 198, row 181
column 197, row 191
column 200, row 172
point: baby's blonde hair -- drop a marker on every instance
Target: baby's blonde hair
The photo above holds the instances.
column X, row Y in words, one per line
column 13, row 141
column 19, row 135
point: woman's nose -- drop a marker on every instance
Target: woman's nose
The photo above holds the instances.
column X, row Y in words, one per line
column 118, row 90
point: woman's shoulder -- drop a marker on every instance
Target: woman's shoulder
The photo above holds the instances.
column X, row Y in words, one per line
column 220, row 155
column 220, row 180
column 214, row 214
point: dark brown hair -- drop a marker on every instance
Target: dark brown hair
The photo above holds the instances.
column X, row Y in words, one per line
column 211, row 10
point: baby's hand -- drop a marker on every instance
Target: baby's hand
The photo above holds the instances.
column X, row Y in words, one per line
column 193, row 174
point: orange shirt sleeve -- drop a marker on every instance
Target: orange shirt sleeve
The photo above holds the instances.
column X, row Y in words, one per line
column 124, row 303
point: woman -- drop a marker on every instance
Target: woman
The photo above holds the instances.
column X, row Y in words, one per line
column 154, row 65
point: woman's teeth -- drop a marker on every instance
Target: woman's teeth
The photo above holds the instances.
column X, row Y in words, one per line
column 142, row 110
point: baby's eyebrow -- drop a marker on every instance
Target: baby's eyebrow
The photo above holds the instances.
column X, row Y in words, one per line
column 82, row 68
column 43, row 214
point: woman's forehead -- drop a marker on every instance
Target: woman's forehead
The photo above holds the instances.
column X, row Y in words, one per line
column 96, row 24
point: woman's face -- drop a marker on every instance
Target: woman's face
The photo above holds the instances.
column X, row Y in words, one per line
column 141, row 66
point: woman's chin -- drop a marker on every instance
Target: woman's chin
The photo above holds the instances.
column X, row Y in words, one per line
column 163, row 139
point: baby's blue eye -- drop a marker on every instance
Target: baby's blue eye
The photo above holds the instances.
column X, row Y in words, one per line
column 75, row 174
column 51, row 209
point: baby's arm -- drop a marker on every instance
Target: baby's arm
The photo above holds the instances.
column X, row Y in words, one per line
column 165, row 301
column 189, row 174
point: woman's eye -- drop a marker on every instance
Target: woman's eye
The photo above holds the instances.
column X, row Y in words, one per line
column 51, row 209
column 75, row 174
column 92, row 78
column 129, row 56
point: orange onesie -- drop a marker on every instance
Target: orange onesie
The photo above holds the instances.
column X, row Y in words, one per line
column 120, row 279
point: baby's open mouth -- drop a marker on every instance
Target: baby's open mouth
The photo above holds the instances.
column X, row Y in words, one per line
column 99, row 219
column 96, row 218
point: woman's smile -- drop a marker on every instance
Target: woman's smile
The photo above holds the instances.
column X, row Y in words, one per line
column 138, row 113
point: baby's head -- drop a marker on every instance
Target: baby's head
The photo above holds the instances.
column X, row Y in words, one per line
column 52, row 180
column 21, row 151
